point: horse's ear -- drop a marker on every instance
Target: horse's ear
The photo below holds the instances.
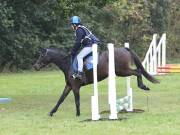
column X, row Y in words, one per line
column 41, row 50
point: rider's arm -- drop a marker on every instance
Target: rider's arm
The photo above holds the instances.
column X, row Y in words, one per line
column 79, row 36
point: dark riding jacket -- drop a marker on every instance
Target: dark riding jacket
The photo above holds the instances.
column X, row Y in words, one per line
column 84, row 38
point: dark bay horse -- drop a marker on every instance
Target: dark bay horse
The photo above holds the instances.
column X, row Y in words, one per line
column 123, row 58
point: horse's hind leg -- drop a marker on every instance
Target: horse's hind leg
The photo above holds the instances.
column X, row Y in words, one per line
column 66, row 91
column 138, row 73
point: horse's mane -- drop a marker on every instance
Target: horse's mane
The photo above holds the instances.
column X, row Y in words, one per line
column 61, row 51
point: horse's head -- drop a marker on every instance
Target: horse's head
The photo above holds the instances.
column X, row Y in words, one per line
column 51, row 55
column 43, row 60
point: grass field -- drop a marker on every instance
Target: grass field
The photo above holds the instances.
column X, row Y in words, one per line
column 35, row 93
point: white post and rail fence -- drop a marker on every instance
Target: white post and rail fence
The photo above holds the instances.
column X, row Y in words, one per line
column 156, row 55
column 114, row 104
column 154, row 58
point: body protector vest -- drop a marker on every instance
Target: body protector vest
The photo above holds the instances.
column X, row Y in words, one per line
column 89, row 35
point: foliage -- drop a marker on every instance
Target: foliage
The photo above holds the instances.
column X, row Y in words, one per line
column 27, row 25
column 173, row 29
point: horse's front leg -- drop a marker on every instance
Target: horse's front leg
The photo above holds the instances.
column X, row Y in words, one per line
column 77, row 100
column 66, row 91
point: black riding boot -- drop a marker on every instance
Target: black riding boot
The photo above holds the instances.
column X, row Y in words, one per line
column 79, row 75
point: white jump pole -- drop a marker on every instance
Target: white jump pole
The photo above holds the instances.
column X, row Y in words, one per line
column 112, row 83
column 94, row 99
column 156, row 55
column 164, row 50
column 129, row 89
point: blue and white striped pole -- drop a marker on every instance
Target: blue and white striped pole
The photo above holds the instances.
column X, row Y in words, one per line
column 5, row 100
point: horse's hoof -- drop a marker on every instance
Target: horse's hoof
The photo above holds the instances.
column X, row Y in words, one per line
column 146, row 88
column 78, row 114
column 50, row 114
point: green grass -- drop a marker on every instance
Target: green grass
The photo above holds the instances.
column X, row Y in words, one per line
column 35, row 93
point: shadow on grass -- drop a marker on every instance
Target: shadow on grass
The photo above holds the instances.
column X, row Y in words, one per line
column 124, row 111
column 103, row 119
column 119, row 119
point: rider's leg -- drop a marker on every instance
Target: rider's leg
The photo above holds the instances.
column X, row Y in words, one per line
column 84, row 52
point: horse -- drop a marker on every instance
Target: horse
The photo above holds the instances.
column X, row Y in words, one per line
column 124, row 57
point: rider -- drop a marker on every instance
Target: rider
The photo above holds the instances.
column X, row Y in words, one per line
column 84, row 39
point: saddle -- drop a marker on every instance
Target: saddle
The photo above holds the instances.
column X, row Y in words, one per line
column 87, row 63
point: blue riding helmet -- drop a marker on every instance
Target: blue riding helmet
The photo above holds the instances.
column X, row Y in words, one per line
column 75, row 20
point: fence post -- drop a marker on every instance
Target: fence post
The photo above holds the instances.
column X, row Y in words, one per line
column 164, row 50
column 112, row 83
column 94, row 99
column 129, row 89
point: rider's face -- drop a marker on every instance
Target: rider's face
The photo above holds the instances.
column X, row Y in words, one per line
column 73, row 27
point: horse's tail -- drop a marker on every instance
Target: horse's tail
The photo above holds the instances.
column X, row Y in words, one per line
column 138, row 64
